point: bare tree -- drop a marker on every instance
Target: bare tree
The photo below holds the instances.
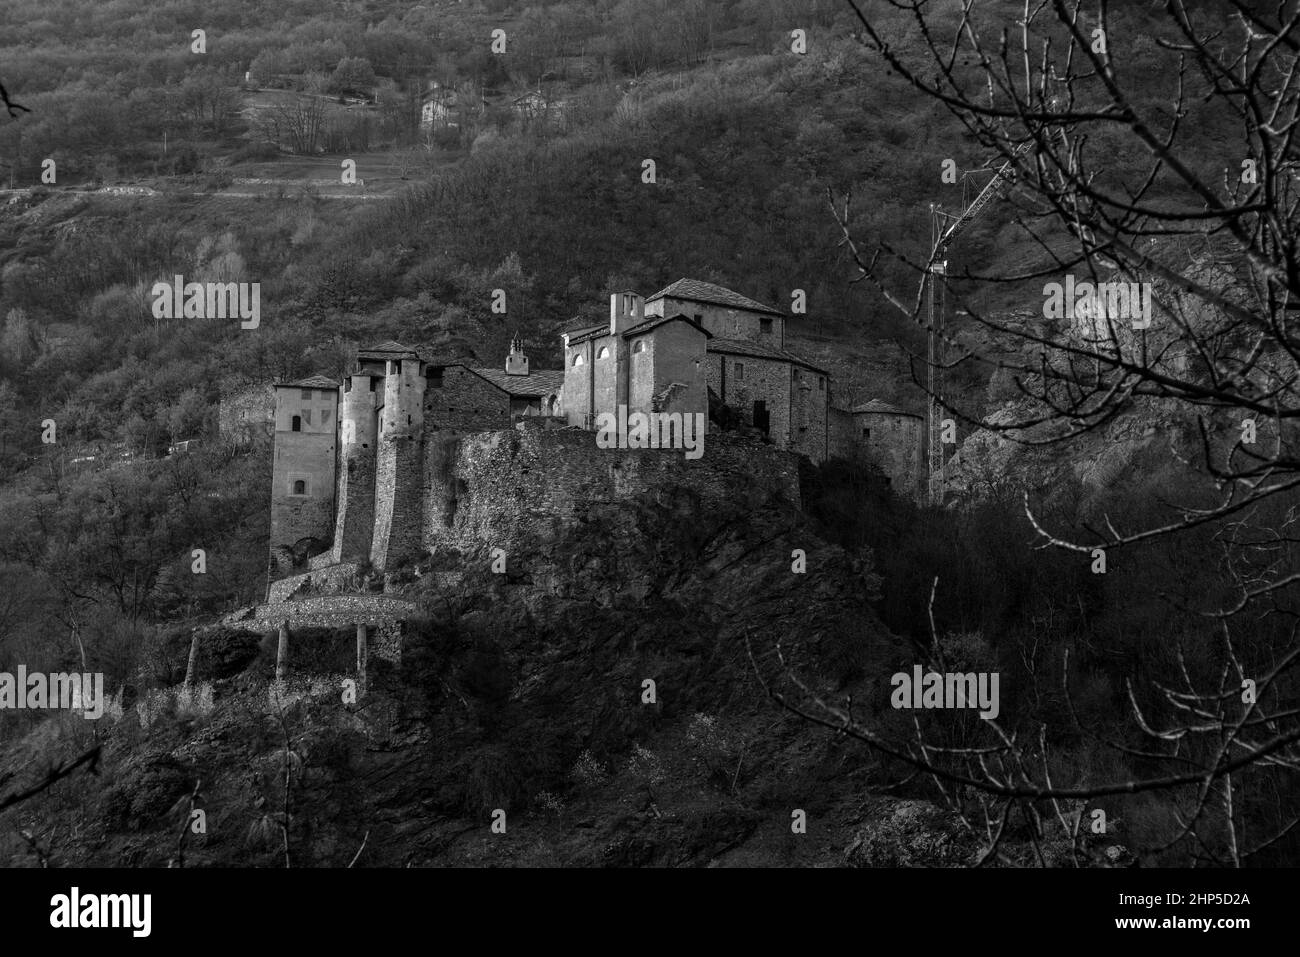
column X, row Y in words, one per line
column 1104, row 180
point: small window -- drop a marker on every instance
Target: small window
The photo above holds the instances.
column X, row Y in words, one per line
column 347, row 384
column 299, row 487
column 306, row 394
column 372, row 383
column 603, row 353
column 296, row 424
column 306, row 416
column 866, row 433
column 821, row 383
column 639, row 346
column 435, row 377
column 765, row 325
column 577, row 360
column 740, row 370
column 698, row 319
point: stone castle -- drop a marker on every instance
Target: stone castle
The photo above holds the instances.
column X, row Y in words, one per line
column 378, row 468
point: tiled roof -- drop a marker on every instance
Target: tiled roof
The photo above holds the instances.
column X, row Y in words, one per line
column 758, row 350
column 587, row 332
column 877, row 407
column 642, row 327
column 698, row 291
column 542, row 382
column 312, row 382
column 387, row 347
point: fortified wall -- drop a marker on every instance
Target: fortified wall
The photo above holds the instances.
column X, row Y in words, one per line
column 507, row 486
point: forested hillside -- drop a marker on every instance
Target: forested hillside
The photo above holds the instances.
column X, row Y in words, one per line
column 755, row 117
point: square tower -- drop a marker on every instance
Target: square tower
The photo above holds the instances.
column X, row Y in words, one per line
column 302, row 471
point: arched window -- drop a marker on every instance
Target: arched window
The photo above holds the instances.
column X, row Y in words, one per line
column 639, row 346
column 296, row 425
column 603, row 353
column 299, row 487
column 577, row 360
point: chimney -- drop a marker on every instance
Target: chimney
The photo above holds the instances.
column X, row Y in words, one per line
column 626, row 309
column 516, row 361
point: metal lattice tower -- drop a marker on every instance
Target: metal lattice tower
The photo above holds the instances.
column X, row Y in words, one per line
column 936, row 278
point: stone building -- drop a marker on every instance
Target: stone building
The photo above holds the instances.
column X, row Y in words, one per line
column 459, row 397
column 302, row 489
column 888, row 437
column 646, row 363
column 691, row 339
column 352, row 481
column 354, row 463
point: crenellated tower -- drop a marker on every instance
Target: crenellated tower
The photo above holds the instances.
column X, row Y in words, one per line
column 354, row 523
column 399, row 478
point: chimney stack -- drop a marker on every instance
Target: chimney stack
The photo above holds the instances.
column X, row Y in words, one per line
column 516, row 361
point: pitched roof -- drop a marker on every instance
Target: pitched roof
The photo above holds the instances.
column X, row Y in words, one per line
column 654, row 321
column 312, row 382
column 758, row 350
column 641, row 328
column 539, row 383
column 587, row 332
column 877, row 407
column 699, row 291
column 387, row 348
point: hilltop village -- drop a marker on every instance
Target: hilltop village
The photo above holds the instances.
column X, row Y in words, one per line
column 354, row 475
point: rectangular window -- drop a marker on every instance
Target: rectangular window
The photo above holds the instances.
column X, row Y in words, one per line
column 765, row 326
column 821, row 383
column 372, row 383
column 306, row 394
column 740, row 370
column 866, row 433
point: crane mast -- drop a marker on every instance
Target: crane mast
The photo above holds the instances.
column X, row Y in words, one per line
column 941, row 237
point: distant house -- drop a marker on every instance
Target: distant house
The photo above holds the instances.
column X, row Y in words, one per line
column 535, row 106
column 445, row 108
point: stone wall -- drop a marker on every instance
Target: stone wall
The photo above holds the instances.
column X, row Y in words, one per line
column 722, row 321
column 246, row 415
column 760, row 380
column 464, row 402
column 399, row 483
column 810, row 415
column 329, row 579
column 894, row 443
column 499, row 488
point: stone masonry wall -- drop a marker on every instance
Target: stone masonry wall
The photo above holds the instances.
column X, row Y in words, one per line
column 497, row 488
column 399, row 483
column 464, row 402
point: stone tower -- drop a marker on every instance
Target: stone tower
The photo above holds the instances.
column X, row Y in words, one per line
column 399, row 477
column 358, row 431
column 302, row 471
